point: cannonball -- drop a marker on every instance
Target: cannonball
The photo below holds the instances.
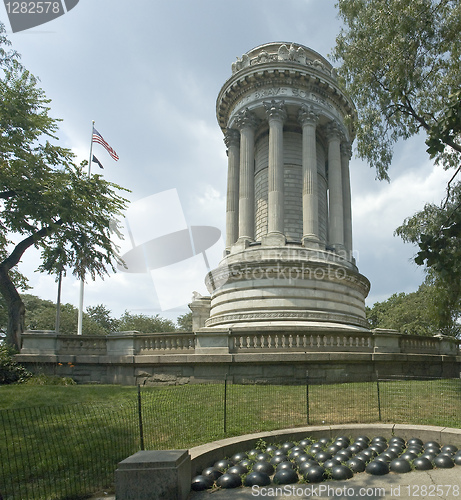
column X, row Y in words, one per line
column 211, row 472
column 306, row 465
column 227, row 481
column 409, row 456
column 431, row 444
column 277, row 459
column 396, row 439
column 257, row 479
column 314, row 474
column 332, row 462
column 356, row 465
column 362, row 439
column 285, row 465
column 287, row 446
column 223, row 465
column 265, row 467
column 422, row 463
column 450, row 448
column 344, row 440
column 377, row 468
column 344, row 454
column 285, row 476
column 400, row 465
column 333, row 449
column 238, row 457
column 356, row 448
column 341, row 472
column 238, row 469
column 322, row 456
column 247, row 463
column 200, row 483
column 444, row 462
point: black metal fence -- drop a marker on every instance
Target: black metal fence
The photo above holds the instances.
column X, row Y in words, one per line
column 70, row 451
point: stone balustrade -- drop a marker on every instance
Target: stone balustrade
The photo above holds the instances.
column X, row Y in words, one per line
column 241, row 355
column 164, row 342
column 135, row 343
column 301, row 342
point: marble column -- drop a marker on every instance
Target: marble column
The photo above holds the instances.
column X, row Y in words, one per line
column 335, row 186
column 276, row 115
column 346, row 153
column 308, row 116
column 232, row 140
column 246, row 122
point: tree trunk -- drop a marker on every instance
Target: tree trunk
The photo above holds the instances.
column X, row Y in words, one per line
column 16, row 309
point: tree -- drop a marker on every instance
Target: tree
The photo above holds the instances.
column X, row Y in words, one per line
column 399, row 62
column 437, row 230
column 411, row 314
column 145, row 324
column 184, row 322
column 101, row 315
column 46, row 201
column 41, row 315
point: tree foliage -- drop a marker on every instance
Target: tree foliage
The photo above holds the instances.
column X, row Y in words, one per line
column 145, row 324
column 399, row 62
column 412, row 314
column 437, row 231
column 46, row 201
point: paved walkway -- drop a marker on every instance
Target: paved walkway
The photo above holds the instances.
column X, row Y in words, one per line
column 436, row 484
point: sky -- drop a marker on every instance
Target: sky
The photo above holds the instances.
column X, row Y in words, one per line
column 148, row 73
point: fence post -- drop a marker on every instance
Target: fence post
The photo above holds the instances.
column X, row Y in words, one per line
column 307, row 396
column 379, row 396
column 141, row 430
column 225, row 403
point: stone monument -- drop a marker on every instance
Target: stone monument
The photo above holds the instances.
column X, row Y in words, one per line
column 288, row 265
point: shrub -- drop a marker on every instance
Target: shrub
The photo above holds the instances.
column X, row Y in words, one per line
column 10, row 371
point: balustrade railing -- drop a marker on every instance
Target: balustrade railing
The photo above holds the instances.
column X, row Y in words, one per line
column 163, row 343
column 301, row 342
column 81, row 345
column 421, row 345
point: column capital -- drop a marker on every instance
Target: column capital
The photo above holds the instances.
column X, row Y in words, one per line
column 346, row 150
column 246, row 118
column 308, row 115
column 275, row 110
column 333, row 131
column 231, row 137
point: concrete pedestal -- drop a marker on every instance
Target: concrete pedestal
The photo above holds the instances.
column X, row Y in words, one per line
column 154, row 475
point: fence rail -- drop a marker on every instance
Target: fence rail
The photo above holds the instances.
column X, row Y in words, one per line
column 69, row 451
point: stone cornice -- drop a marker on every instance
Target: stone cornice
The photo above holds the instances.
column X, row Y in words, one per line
column 249, row 80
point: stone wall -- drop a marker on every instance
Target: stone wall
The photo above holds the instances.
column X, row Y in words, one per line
column 130, row 358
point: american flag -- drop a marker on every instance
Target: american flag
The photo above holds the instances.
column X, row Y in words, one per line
column 97, row 137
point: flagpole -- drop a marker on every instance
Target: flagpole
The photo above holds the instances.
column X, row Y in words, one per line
column 80, row 304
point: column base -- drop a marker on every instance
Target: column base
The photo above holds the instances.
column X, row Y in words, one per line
column 312, row 241
column 274, row 240
column 241, row 244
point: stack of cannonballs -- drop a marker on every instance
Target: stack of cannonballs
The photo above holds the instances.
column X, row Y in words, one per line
column 313, row 461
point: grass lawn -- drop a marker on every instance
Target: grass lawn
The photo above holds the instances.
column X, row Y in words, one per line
column 62, row 442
